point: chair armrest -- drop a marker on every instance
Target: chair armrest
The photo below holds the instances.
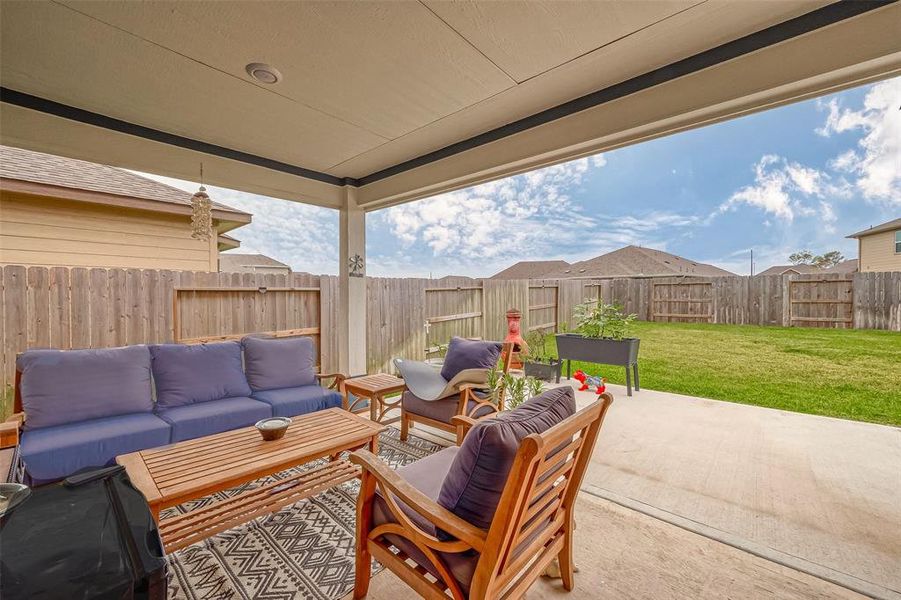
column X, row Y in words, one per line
column 442, row 518
column 17, row 418
column 464, row 423
column 336, row 384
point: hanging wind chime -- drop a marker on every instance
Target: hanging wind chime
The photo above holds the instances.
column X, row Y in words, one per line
column 201, row 212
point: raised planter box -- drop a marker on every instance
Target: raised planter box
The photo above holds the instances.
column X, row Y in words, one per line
column 605, row 351
column 543, row 371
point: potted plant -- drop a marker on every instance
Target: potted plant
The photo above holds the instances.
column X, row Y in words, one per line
column 538, row 360
column 601, row 337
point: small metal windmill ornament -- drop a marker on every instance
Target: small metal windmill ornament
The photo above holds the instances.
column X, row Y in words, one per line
column 201, row 212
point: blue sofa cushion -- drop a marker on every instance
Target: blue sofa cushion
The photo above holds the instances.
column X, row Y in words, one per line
column 61, row 387
column 279, row 363
column 469, row 354
column 206, row 418
column 290, row 402
column 52, row 453
column 187, row 374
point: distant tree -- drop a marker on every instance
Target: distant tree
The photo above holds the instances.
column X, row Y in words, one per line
column 804, row 257
column 820, row 261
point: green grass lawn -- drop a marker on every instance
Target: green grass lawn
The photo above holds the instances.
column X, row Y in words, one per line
column 851, row 374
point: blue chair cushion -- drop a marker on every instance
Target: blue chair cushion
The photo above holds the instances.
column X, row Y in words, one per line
column 290, row 402
column 279, row 363
column 206, row 418
column 469, row 354
column 476, row 478
column 52, row 453
column 71, row 386
column 186, row 374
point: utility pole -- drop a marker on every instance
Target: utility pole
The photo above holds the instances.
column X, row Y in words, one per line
column 752, row 262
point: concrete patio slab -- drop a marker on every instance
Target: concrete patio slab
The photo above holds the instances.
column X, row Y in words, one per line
column 624, row 555
column 819, row 494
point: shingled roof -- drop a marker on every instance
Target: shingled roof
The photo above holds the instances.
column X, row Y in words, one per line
column 62, row 172
column 247, row 263
column 531, row 269
column 634, row 261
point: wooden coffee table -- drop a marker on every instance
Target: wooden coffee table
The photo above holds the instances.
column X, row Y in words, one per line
column 171, row 475
column 374, row 388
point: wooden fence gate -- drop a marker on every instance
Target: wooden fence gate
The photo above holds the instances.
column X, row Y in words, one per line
column 821, row 303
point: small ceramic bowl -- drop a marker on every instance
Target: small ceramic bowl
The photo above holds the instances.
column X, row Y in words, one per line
column 11, row 496
column 273, row 428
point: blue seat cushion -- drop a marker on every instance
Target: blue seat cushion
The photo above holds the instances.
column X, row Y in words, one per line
column 52, row 453
column 290, row 402
column 215, row 416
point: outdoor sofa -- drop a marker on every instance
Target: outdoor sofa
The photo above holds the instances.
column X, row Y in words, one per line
column 82, row 408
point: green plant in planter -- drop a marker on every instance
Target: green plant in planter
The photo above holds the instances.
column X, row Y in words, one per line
column 600, row 320
column 494, row 381
column 535, row 385
column 539, row 350
column 520, row 389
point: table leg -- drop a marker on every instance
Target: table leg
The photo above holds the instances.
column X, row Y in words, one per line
column 374, row 445
column 155, row 511
column 373, row 413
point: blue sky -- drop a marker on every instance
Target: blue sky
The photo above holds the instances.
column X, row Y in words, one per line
column 798, row 177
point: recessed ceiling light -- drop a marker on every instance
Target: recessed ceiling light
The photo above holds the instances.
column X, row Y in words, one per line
column 263, row 73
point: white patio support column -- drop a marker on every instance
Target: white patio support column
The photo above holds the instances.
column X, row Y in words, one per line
column 352, row 286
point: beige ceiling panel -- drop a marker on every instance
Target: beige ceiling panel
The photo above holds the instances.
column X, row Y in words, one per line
column 41, row 132
column 800, row 68
column 388, row 67
column 48, row 50
column 528, row 38
column 688, row 33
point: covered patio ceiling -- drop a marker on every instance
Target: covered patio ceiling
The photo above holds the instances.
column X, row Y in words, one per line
column 402, row 100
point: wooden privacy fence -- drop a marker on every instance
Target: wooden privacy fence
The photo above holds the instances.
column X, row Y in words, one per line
column 67, row 308
column 94, row 308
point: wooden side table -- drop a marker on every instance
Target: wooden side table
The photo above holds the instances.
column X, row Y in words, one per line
column 374, row 388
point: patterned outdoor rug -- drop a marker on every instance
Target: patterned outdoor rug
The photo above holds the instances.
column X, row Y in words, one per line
column 305, row 550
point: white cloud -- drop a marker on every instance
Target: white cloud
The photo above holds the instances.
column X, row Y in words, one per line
column 783, row 188
column 877, row 163
column 774, row 181
column 500, row 218
column 599, row 160
column 303, row 236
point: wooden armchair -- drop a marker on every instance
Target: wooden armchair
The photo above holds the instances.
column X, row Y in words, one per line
column 466, row 402
column 440, row 554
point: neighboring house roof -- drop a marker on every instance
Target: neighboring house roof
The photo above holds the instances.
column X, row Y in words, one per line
column 633, row 261
column 846, row 266
column 247, row 263
column 783, row 269
column 61, row 174
column 531, row 269
column 887, row 226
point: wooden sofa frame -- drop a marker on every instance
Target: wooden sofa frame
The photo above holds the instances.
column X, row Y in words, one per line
column 467, row 393
column 533, row 523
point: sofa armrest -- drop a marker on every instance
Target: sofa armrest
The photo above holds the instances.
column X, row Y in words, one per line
column 9, row 434
column 338, row 379
column 392, row 483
